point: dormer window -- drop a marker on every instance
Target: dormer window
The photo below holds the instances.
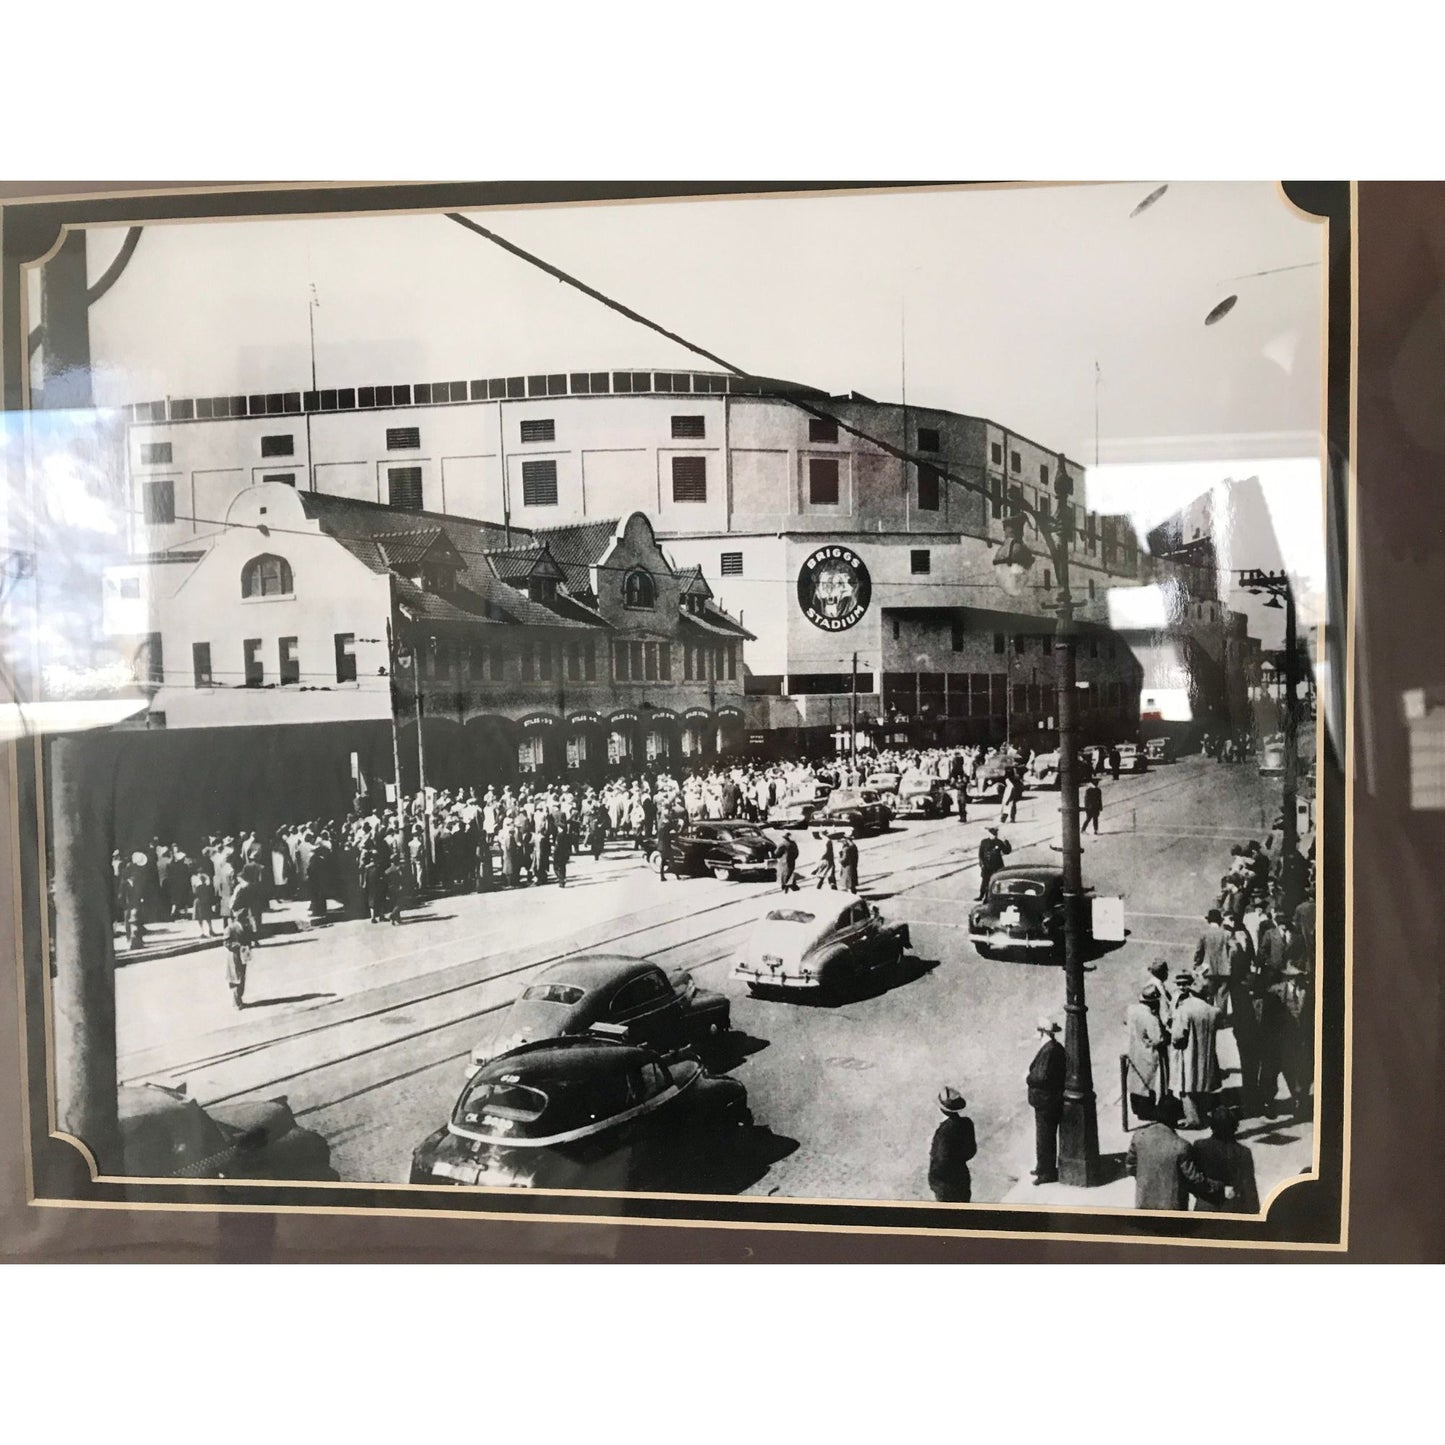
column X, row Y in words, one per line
column 638, row 590
column 542, row 589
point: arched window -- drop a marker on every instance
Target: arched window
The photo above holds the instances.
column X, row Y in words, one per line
column 267, row 576
column 638, row 590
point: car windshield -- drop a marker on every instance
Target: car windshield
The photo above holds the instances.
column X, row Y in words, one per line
column 790, row 915
column 1017, row 888
column 846, row 797
column 563, row 993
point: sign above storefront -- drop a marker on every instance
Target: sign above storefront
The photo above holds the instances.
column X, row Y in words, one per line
column 834, row 588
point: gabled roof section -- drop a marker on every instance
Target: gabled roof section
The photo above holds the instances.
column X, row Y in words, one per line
column 717, row 623
column 401, row 550
column 521, row 564
column 577, row 548
column 694, row 584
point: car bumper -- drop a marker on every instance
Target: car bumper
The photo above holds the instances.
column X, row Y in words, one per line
column 775, row 978
column 753, row 868
column 1008, row 940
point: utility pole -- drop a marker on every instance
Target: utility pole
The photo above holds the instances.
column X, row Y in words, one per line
column 391, row 654
column 421, row 756
column 853, row 716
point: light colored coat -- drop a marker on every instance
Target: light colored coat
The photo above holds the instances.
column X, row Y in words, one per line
column 1195, row 1025
column 1146, row 1038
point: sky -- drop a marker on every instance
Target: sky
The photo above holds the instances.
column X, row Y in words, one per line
column 1032, row 305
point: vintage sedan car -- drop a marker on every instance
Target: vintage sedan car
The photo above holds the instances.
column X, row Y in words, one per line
column 166, row 1135
column 987, row 783
column 1271, row 755
column 1043, row 770
column 885, row 783
column 923, row 796
column 665, row 1010
column 1024, row 910
column 860, row 810
column 828, row 945
column 1160, row 750
column 797, row 808
column 1132, row 758
column 725, row 848
column 579, row 1112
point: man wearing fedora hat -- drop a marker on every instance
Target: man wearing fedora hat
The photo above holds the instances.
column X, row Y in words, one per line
column 1147, row 1066
column 1227, row 1163
column 1046, row 1098
column 1196, row 1024
column 991, row 850
column 954, row 1144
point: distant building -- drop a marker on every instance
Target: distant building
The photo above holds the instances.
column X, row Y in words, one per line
column 739, row 478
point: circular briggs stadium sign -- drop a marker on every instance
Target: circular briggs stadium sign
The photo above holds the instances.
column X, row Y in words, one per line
column 834, row 588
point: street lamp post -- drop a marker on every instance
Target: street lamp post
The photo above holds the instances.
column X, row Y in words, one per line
column 1079, row 1161
column 1275, row 585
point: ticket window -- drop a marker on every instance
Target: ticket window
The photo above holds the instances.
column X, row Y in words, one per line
column 617, row 748
column 654, row 747
column 529, row 755
column 576, row 751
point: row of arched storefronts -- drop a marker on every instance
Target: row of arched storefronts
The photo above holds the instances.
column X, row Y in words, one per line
column 585, row 745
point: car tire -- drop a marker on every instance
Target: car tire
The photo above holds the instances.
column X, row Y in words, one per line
column 723, row 875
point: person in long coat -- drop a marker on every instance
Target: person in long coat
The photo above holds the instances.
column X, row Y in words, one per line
column 954, row 1144
column 991, row 850
column 1196, row 1024
column 1148, row 1073
column 511, row 850
column 562, row 851
column 1211, row 953
column 828, row 865
column 788, row 864
column 848, row 866
column 1045, row 1083
column 318, row 879
column 1165, row 1174
column 1226, row 1163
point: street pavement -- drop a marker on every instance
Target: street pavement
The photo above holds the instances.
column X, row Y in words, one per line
column 366, row 1028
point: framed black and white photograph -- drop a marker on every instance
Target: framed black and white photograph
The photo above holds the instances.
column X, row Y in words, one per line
column 784, row 708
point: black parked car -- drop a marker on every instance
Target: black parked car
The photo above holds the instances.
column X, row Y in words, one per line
column 665, row 1009
column 726, row 849
column 166, row 1135
column 578, row 1113
column 860, row 809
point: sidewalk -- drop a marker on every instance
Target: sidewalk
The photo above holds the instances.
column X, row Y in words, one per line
column 179, row 936
column 1281, row 1149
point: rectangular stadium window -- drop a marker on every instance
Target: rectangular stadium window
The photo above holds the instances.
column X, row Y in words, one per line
column 346, row 399
column 927, row 439
column 516, row 387
column 478, row 390
column 557, row 384
column 287, row 478
column 1043, row 474
column 383, row 396
column 311, row 401
column 283, row 445
column 401, row 395
column 574, row 662
column 205, row 407
column 682, row 382
column 275, row 402
column 422, row 393
column 589, row 661
column 822, row 429
column 536, row 386
column 328, row 400
column 995, row 453
column 581, row 383
column 920, row 561
column 365, row 396
column 255, row 405
column 539, row 483
column 637, row 666
column 291, row 402
column 155, row 454
column 159, row 502
column 689, row 479
column 650, row 661
column 621, row 381
column 201, row 663
column 441, row 391
column 539, row 429
column 929, row 479
column 822, row 481
column 403, row 438
column 183, row 411
column 459, row 391
column 641, row 381
column 998, row 642
column 619, row 662
column 690, row 427
column 237, row 406
column 599, row 383
column 403, row 488
column 496, row 388
column 731, row 564
column 1015, row 462
column 290, row 662
column 662, row 380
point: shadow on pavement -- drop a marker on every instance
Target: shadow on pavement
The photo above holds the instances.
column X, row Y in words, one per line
column 734, row 1168
column 289, row 998
column 727, row 1052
